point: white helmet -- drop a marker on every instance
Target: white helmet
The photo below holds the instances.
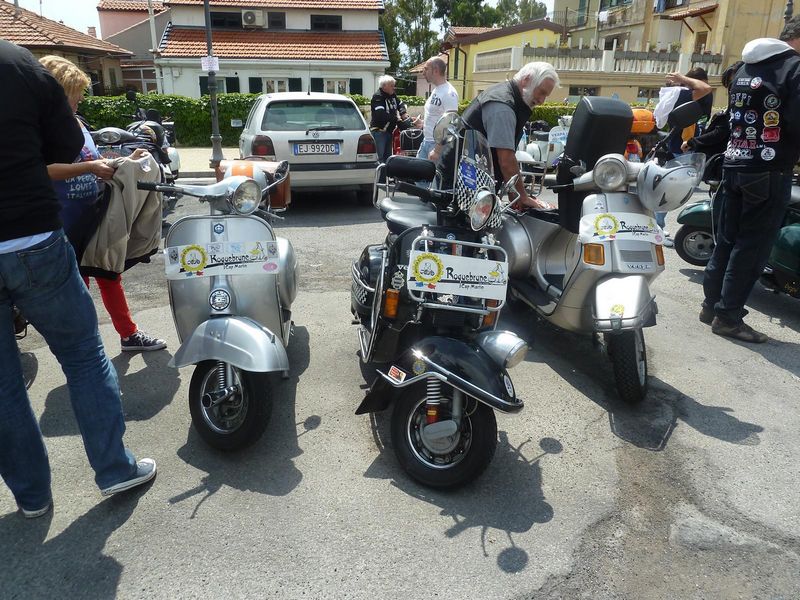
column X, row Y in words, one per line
column 670, row 187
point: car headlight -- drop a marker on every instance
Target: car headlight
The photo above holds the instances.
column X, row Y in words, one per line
column 506, row 348
column 110, row 137
column 610, row 173
column 481, row 210
column 245, row 197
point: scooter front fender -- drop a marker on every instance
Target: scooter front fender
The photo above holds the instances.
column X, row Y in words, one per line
column 697, row 215
column 623, row 302
column 466, row 367
column 238, row 341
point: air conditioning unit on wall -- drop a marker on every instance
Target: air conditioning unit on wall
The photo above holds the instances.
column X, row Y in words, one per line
column 252, row 18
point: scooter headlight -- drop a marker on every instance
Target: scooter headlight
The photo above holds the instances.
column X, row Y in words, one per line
column 109, row 137
column 482, row 209
column 610, row 173
column 505, row 347
column 245, row 197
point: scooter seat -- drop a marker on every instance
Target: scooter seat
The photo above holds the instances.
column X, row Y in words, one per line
column 540, row 136
column 399, row 221
column 389, row 204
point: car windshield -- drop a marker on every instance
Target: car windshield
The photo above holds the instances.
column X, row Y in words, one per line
column 301, row 115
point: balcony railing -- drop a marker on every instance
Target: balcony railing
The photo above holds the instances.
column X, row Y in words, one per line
column 622, row 16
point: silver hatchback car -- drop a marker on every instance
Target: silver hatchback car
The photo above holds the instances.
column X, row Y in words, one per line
column 323, row 136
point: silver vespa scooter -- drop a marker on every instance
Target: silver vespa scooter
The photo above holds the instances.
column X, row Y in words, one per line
column 589, row 270
column 231, row 286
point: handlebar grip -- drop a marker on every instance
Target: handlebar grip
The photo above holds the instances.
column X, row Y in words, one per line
column 150, row 186
column 561, row 188
column 421, row 192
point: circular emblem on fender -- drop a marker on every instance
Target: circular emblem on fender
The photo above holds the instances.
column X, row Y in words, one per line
column 219, row 228
column 606, row 224
column 427, row 268
column 509, row 385
column 193, row 258
column 219, row 299
column 418, row 367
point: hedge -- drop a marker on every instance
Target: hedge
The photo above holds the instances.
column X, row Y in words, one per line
column 192, row 116
column 193, row 121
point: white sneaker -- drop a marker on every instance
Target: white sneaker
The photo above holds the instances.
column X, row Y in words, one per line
column 145, row 471
column 34, row 514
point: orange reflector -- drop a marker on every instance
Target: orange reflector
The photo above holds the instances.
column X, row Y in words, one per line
column 390, row 304
column 432, row 413
column 594, row 254
column 489, row 320
column 660, row 254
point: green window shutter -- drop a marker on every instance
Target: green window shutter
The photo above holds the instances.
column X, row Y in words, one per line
column 295, row 84
column 317, row 84
column 356, row 87
column 203, row 85
column 231, row 85
column 255, row 85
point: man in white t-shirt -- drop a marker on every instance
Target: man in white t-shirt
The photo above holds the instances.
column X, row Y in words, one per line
column 443, row 98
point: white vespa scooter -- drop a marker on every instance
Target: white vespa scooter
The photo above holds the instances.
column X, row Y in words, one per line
column 231, row 287
column 587, row 268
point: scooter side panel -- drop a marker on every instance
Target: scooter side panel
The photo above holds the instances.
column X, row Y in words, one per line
column 238, row 341
column 253, row 296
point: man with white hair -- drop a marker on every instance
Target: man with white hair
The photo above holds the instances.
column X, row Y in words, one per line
column 387, row 112
column 500, row 113
column 443, row 98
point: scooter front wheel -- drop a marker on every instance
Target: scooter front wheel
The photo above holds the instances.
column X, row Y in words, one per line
column 229, row 414
column 446, row 462
column 629, row 359
column 695, row 245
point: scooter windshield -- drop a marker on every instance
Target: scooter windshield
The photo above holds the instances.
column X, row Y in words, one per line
column 474, row 171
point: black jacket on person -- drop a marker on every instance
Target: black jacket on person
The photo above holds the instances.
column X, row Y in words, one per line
column 385, row 108
column 764, row 104
column 38, row 128
column 714, row 140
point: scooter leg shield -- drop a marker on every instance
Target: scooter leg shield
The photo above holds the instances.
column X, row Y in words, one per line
column 623, row 302
column 238, row 341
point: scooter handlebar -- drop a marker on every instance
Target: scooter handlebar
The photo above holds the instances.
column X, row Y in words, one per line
column 419, row 191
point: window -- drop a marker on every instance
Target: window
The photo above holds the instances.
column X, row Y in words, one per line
column 298, row 115
column 326, row 22
column 275, row 85
column 700, row 41
column 253, row 111
column 498, row 60
column 579, row 90
column 276, row 20
column 225, row 85
column 226, row 20
column 336, row 86
column 646, row 94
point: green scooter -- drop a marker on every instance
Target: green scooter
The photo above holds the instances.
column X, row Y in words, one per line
column 694, row 241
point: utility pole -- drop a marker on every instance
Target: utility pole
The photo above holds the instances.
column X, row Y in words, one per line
column 154, row 48
column 789, row 10
column 216, row 138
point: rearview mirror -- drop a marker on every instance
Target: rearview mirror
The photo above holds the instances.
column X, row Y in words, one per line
column 684, row 115
column 443, row 125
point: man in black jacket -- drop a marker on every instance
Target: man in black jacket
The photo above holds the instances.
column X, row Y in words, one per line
column 764, row 106
column 39, row 274
column 388, row 112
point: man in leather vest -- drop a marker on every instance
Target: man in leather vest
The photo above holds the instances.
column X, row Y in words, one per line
column 764, row 106
column 500, row 113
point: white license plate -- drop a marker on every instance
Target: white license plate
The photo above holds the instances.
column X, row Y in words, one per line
column 316, row 148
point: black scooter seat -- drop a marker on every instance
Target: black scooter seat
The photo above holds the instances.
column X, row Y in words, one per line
column 389, row 204
column 400, row 220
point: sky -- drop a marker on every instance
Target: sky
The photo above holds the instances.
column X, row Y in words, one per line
column 80, row 14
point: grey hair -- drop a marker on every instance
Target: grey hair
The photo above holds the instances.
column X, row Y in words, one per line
column 384, row 79
column 438, row 64
column 792, row 29
column 537, row 72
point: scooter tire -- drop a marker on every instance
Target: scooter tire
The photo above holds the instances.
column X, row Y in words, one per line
column 480, row 423
column 256, row 396
column 629, row 358
column 689, row 243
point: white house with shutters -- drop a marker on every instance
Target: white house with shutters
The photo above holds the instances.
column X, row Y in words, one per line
column 275, row 46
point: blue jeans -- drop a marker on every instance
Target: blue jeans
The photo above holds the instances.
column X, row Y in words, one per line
column 661, row 219
column 43, row 281
column 383, row 144
column 752, row 209
column 425, row 148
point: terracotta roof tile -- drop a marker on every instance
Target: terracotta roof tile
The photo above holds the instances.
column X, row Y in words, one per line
column 129, row 5
column 185, row 42
column 26, row 28
column 319, row 4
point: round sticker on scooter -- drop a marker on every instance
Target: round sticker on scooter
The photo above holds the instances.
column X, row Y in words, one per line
column 606, row 225
column 219, row 228
column 193, row 258
column 427, row 268
column 219, row 299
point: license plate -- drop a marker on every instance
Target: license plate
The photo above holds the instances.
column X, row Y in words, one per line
column 316, row 148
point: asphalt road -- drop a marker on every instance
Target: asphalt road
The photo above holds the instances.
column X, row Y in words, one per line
column 693, row 494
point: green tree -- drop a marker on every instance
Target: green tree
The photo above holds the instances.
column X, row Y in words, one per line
column 530, row 10
column 507, row 13
column 413, row 27
column 388, row 23
column 465, row 13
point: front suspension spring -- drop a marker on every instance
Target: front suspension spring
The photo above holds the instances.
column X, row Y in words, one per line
column 221, row 383
column 433, row 398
